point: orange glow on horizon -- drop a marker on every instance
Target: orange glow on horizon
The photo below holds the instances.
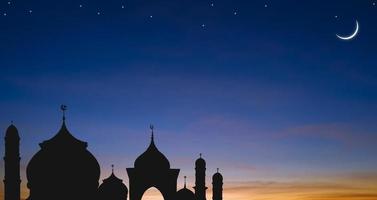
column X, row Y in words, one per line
column 355, row 188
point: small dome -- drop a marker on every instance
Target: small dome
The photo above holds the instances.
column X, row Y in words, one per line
column 217, row 177
column 112, row 188
column 12, row 132
column 113, row 179
column 152, row 158
column 200, row 162
column 185, row 194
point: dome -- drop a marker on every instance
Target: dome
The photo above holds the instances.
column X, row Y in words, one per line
column 12, row 132
column 113, row 179
column 152, row 158
column 63, row 138
column 63, row 166
column 113, row 183
column 112, row 188
column 217, row 177
column 200, row 162
column 185, row 194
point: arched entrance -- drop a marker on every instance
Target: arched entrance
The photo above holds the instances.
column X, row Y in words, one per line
column 152, row 194
column 152, row 169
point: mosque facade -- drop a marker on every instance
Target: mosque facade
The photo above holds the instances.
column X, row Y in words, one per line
column 63, row 169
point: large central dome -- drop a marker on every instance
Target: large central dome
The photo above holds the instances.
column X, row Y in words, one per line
column 152, row 158
column 64, row 167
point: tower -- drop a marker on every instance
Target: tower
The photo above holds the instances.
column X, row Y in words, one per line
column 200, row 179
column 12, row 164
column 217, row 186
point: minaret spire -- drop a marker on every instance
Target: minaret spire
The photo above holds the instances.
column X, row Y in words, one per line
column 112, row 169
column 217, row 186
column 185, row 181
column 12, row 164
column 200, row 178
column 152, row 135
column 63, row 108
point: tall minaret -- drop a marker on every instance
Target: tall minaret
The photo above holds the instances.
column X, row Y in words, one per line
column 217, row 186
column 200, row 179
column 12, row 158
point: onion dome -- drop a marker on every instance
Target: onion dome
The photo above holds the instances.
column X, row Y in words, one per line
column 185, row 194
column 65, row 152
column 63, row 138
column 63, row 166
column 217, row 177
column 112, row 188
column 200, row 162
column 152, row 158
column 12, row 132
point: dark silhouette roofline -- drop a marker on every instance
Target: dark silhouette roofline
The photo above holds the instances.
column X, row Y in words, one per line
column 63, row 137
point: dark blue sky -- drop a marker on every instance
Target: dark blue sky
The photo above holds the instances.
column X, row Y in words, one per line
column 265, row 88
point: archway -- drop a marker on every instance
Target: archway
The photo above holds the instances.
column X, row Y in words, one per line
column 152, row 169
column 152, row 194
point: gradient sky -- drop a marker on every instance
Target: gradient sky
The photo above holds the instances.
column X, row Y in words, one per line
column 263, row 89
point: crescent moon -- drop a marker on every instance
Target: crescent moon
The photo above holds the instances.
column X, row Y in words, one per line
column 351, row 36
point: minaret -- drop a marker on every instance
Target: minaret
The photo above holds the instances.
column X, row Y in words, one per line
column 12, row 158
column 200, row 179
column 217, row 186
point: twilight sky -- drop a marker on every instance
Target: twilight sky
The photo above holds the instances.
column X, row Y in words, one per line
column 264, row 89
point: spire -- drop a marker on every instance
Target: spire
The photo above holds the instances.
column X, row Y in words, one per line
column 63, row 108
column 11, row 122
column 185, row 181
column 200, row 155
column 217, row 170
column 152, row 136
column 63, row 129
column 112, row 169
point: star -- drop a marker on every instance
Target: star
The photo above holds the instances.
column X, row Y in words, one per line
column 203, row 25
column 30, row 11
column 265, row 5
column 235, row 13
column 212, row 4
column 336, row 16
column 122, row 6
column 80, row 6
column 5, row 14
column 9, row 2
column 151, row 16
column 98, row 13
column 374, row 3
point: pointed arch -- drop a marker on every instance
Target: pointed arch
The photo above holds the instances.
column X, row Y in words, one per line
column 152, row 193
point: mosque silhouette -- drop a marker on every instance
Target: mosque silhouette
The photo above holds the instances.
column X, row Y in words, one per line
column 63, row 169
